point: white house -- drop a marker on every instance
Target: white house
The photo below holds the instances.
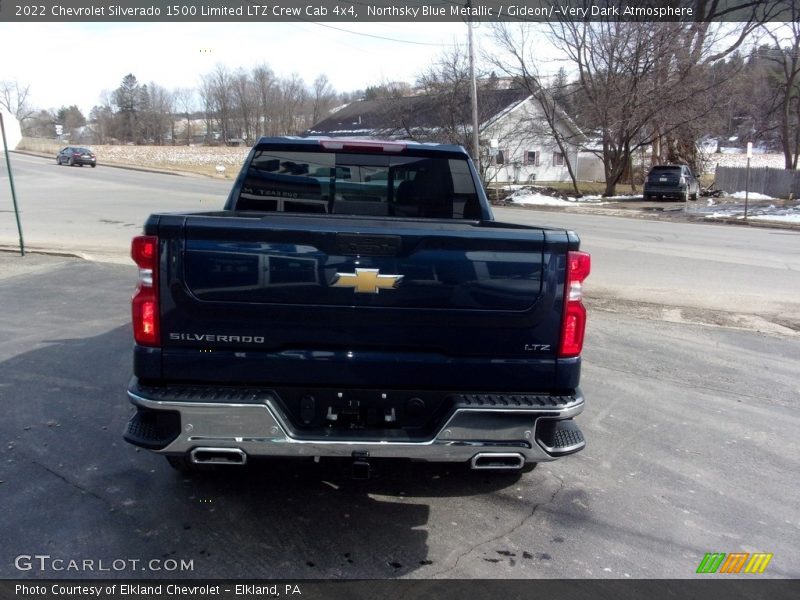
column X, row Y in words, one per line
column 523, row 148
column 516, row 142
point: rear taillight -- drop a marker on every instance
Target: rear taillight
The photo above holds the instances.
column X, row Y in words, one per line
column 573, row 325
column 144, row 251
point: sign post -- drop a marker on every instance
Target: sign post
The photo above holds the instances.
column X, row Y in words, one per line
column 13, row 191
column 747, row 180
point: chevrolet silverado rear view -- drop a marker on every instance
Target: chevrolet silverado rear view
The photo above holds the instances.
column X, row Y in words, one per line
column 356, row 299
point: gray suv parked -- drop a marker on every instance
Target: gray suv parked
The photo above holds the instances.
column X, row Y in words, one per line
column 671, row 181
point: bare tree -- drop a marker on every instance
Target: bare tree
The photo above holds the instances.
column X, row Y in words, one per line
column 101, row 119
column 293, row 95
column 322, row 98
column 447, row 81
column 250, row 104
column 220, row 86
column 15, row 97
column 101, row 123
column 185, row 105
column 785, row 56
column 41, row 124
column 206, row 92
column 159, row 115
column 642, row 82
column 515, row 42
column 245, row 99
column 265, row 88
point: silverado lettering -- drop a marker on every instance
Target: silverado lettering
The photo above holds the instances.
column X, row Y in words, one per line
column 209, row 337
column 393, row 317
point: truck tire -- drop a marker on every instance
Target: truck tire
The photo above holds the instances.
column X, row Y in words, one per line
column 180, row 463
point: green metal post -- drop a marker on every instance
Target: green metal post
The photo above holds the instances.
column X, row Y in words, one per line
column 13, row 191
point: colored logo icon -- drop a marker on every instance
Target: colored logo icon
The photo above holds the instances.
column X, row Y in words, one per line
column 734, row 563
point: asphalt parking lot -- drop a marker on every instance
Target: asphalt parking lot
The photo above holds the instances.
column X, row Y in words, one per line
column 692, row 448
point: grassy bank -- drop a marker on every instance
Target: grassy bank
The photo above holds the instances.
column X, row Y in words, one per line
column 204, row 160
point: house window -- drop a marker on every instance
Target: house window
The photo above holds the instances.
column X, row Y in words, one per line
column 532, row 157
column 558, row 159
column 499, row 158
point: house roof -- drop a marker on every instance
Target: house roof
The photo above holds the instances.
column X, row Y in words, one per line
column 396, row 117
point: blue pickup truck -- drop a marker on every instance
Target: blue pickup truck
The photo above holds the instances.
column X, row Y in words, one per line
column 356, row 299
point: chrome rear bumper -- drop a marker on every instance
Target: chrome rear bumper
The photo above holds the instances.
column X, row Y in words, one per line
column 260, row 428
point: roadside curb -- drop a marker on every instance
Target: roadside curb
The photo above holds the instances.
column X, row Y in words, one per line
column 43, row 251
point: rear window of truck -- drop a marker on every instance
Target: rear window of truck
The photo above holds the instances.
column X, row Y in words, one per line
column 359, row 184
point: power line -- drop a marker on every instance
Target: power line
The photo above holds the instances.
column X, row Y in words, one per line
column 370, row 35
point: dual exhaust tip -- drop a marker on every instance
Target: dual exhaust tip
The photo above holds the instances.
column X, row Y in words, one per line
column 218, row 456
column 511, row 461
column 361, row 468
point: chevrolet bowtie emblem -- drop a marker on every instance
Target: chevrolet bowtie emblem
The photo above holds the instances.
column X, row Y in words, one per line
column 367, row 281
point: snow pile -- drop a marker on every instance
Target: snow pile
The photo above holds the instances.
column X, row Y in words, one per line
column 791, row 215
column 769, row 213
column 528, row 196
column 751, row 196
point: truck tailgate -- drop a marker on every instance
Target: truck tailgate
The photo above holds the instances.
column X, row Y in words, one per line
column 278, row 291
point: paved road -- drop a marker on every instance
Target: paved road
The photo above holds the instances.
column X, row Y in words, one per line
column 737, row 276
column 94, row 211
column 692, row 448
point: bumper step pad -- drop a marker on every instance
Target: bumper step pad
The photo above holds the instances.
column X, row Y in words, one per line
column 152, row 429
column 560, row 438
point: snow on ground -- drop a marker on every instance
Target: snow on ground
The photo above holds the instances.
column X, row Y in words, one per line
column 787, row 218
column 524, row 195
column 757, row 213
column 751, row 196
column 776, row 161
column 714, row 208
column 601, row 199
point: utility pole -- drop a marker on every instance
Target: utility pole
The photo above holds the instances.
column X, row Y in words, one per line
column 11, row 181
column 476, row 157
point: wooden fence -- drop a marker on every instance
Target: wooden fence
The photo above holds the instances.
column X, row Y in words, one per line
column 777, row 183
